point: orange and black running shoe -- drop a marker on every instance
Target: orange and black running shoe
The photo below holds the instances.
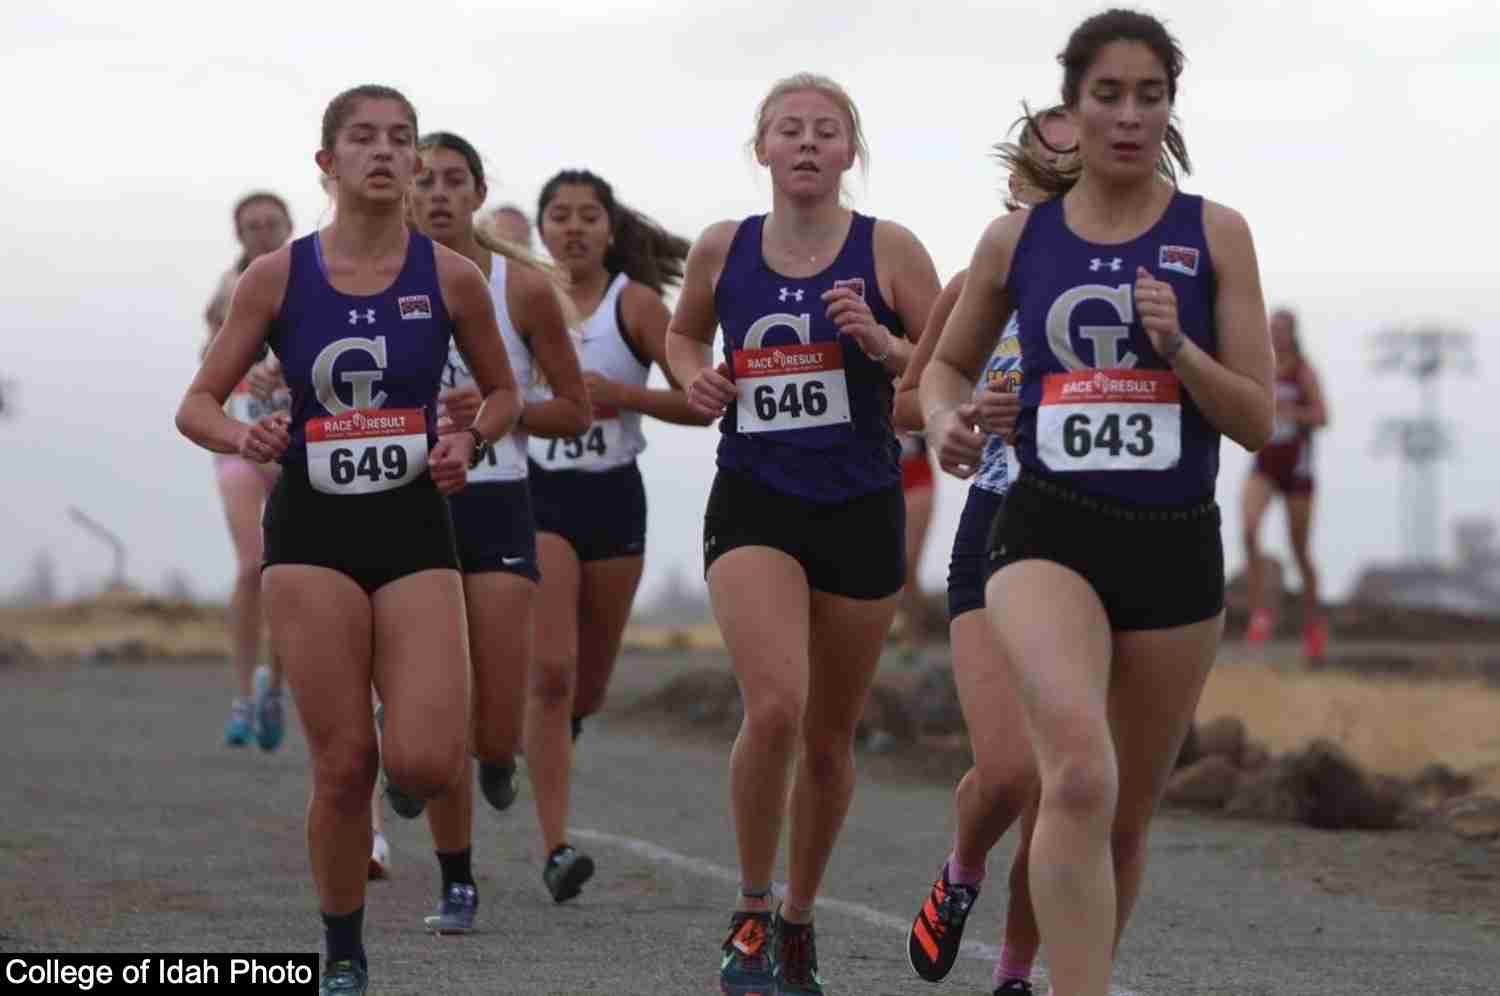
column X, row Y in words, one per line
column 938, row 929
column 745, row 968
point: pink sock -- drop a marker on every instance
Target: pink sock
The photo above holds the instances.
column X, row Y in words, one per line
column 959, row 875
column 1012, row 964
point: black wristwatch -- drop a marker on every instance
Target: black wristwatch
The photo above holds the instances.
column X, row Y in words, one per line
column 481, row 447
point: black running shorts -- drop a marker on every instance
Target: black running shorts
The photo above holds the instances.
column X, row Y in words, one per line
column 1153, row 567
column 374, row 538
column 495, row 529
column 855, row 548
column 602, row 514
column 967, row 568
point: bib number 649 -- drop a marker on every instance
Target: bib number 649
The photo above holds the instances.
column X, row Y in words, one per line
column 374, row 463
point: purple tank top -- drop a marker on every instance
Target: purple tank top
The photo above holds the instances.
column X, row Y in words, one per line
column 347, row 353
column 1100, row 409
column 813, row 416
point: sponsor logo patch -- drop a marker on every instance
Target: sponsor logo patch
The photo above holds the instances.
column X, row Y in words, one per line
column 1182, row 259
column 415, row 306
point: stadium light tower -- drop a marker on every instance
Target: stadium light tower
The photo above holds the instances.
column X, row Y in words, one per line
column 113, row 541
column 1423, row 353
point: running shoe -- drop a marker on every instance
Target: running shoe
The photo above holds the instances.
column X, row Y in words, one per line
column 269, row 726
column 237, row 730
column 344, row 978
column 455, row 914
column 406, row 806
column 745, row 967
column 1262, row 624
column 795, row 956
column 380, row 859
column 938, row 930
column 1013, row 987
column 565, row 872
column 498, row 783
column 1315, row 639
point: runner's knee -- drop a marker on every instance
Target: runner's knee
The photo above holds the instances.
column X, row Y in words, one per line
column 828, row 761
column 344, row 775
column 554, row 679
column 1082, row 785
column 427, row 771
column 774, row 717
column 1128, row 845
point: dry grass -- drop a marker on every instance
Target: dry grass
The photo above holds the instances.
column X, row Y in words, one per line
column 164, row 628
column 1393, row 726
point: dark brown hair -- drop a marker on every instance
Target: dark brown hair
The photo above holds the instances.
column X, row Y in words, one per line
column 341, row 108
column 1083, row 47
column 642, row 250
column 484, row 234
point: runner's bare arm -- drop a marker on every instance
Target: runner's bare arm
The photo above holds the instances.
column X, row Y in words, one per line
column 1235, row 390
column 238, row 343
column 646, row 321
column 690, row 334
column 914, row 287
column 979, row 316
column 539, row 317
column 908, row 408
column 477, row 333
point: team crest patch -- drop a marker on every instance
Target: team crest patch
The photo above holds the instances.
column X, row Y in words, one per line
column 1183, row 259
column 418, row 306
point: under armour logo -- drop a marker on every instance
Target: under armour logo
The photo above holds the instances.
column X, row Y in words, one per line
column 795, row 295
column 355, row 317
column 1114, row 264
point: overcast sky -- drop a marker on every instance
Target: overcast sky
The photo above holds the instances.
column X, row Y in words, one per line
column 1359, row 139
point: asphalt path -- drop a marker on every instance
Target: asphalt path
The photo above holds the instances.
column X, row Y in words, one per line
column 129, row 828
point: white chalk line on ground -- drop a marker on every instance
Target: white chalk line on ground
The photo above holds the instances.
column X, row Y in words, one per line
column 664, row 856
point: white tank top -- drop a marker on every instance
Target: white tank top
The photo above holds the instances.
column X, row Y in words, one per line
column 615, row 439
column 506, row 460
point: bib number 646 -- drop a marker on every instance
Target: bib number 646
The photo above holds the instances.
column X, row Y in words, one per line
column 811, row 398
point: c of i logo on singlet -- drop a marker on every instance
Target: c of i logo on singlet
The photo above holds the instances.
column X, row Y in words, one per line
column 360, row 447
column 1110, row 416
column 786, row 388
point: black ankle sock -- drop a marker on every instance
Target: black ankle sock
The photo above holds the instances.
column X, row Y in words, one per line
column 457, row 867
column 344, row 935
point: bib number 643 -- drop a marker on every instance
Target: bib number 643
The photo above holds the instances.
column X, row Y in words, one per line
column 1080, row 439
column 1092, row 420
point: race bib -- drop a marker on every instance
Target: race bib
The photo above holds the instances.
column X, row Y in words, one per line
column 595, row 450
column 784, row 388
column 1110, row 420
column 366, row 450
column 488, row 469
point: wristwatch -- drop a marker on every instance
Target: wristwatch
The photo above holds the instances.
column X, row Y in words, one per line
column 481, row 446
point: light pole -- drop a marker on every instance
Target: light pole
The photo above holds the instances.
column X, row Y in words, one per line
column 1423, row 353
